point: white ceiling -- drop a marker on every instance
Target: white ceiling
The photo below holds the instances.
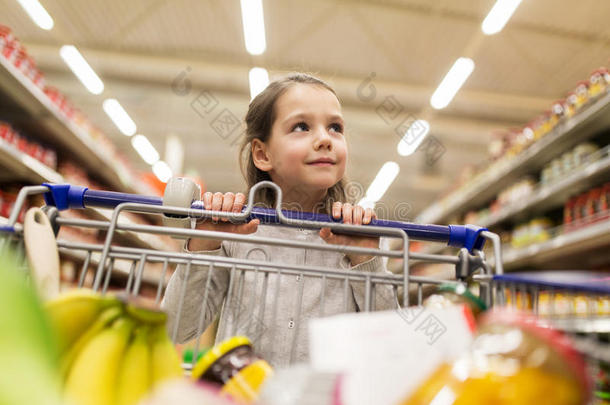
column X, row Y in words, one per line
column 139, row 47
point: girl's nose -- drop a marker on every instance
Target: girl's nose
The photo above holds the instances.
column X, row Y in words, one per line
column 322, row 140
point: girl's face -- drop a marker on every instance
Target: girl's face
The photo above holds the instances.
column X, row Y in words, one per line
column 306, row 153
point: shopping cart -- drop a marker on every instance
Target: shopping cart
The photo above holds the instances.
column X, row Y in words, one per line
column 572, row 303
column 146, row 264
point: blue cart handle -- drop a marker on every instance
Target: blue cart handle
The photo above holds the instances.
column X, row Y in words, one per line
column 65, row 196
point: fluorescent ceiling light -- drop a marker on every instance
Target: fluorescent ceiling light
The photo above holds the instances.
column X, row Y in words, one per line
column 162, row 171
column 413, row 137
column 499, row 15
column 37, row 13
column 380, row 185
column 253, row 22
column 259, row 79
column 81, row 69
column 145, row 149
column 364, row 203
column 119, row 116
column 453, row 80
column 174, row 153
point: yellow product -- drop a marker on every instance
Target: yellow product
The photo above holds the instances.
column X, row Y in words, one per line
column 582, row 94
column 73, row 312
column 513, row 360
column 603, row 305
column 520, row 236
column 245, row 385
column 544, row 303
column 522, row 300
column 165, row 361
column 135, row 372
column 555, row 304
column 539, row 230
column 233, row 365
column 569, row 106
column 562, row 304
column 557, row 112
column 546, row 125
column 598, row 82
column 94, row 376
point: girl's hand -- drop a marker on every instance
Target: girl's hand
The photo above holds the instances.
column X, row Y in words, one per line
column 227, row 202
column 356, row 215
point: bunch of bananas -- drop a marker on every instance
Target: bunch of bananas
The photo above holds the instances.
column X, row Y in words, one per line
column 113, row 351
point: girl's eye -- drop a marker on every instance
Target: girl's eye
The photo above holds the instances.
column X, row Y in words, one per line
column 300, row 125
column 337, row 127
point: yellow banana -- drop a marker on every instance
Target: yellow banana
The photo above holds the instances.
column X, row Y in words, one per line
column 73, row 312
column 93, row 377
column 144, row 312
column 166, row 363
column 135, row 374
column 106, row 318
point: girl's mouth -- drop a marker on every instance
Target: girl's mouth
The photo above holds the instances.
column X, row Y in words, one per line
column 321, row 164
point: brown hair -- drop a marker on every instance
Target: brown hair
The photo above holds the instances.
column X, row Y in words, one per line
column 259, row 121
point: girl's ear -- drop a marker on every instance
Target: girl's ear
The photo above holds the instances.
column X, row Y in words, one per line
column 259, row 155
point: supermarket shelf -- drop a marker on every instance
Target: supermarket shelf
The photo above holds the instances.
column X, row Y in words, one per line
column 44, row 115
column 435, row 248
column 589, row 121
column 582, row 325
column 120, row 267
column 553, row 195
column 24, row 166
column 565, row 245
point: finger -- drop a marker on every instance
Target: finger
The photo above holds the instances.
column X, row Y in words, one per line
column 337, row 209
column 357, row 214
column 347, row 213
column 252, row 226
column 207, row 201
column 368, row 215
column 324, row 233
column 217, row 203
column 238, row 204
column 374, row 213
column 227, row 204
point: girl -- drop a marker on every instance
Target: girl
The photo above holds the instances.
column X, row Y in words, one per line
column 295, row 138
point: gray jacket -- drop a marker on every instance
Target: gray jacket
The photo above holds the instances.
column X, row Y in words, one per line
column 272, row 310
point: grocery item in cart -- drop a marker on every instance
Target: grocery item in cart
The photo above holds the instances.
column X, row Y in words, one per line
column 42, row 253
column 29, row 372
column 514, row 359
column 455, row 294
column 184, row 392
column 112, row 351
column 383, row 356
column 300, row 384
column 233, row 365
